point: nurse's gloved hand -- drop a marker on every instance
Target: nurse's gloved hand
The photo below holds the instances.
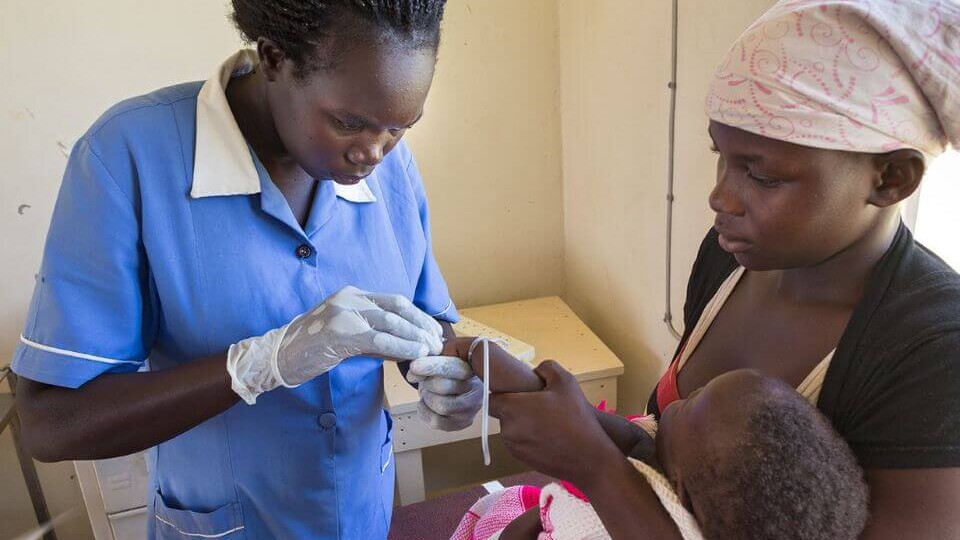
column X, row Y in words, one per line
column 349, row 323
column 450, row 394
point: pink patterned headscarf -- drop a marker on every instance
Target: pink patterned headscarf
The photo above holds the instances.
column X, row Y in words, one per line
column 859, row 75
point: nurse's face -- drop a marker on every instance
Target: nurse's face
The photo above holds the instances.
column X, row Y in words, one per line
column 339, row 123
column 781, row 206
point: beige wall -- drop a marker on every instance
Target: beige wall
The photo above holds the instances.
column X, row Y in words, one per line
column 615, row 66
column 615, row 58
column 488, row 148
column 489, row 151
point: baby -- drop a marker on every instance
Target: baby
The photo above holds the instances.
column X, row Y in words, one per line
column 743, row 457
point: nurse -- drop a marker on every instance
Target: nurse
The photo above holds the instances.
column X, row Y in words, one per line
column 213, row 243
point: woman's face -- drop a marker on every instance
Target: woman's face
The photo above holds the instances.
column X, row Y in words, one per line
column 340, row 122
column 780, row 205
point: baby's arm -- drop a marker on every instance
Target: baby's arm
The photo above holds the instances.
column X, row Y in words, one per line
column 511, row 375
column 508, row 375
column 631, row 439
column 527, row 526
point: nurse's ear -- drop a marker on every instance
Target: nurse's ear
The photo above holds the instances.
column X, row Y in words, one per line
column 897, row 176
column 272, row 59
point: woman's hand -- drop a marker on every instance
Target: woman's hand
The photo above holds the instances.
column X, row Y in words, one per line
column 349, row 323
column 452, row 412
column 555, row 430
column 450, row 393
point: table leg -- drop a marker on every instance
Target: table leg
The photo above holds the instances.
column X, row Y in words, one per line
column 32, row 480
column 29, row 470
column 409, row 465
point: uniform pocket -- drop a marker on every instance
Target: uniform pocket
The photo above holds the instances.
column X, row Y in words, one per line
column 174, row 524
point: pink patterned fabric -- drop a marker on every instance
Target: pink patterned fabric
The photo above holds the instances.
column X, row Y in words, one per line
column 647, row 422
column 493, row 512
column 565, row 516
column 574, row 490
column 859, row 75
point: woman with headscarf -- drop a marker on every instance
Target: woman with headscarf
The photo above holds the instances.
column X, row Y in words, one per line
column 825, row 116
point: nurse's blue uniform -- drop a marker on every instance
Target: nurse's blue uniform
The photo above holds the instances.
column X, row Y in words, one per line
column 168, row 243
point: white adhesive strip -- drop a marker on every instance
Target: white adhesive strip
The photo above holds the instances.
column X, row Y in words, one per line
column 485, row 408
column 493, row 487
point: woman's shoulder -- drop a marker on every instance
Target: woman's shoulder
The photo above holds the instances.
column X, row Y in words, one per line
column 922, row 268
column 911, row 310
column 138, row 139
column 892, row 393
column 922, row 297
column 138, row 114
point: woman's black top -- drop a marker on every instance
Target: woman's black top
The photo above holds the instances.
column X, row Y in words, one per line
column 893, row 387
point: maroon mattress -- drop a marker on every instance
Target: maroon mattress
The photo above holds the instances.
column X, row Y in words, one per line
column 436, row 519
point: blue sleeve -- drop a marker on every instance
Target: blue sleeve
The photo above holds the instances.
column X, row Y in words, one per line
column 92, row 310
column 432, row 295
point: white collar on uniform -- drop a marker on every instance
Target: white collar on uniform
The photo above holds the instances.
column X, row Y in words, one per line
column 223, row 164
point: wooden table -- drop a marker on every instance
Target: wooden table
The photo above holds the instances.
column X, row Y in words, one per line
column 546, row 323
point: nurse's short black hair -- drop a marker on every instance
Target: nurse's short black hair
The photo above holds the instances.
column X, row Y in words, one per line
column 313, row 33
column 790, row 476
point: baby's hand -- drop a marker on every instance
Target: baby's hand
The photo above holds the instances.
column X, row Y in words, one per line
column 527, row 526
column 458, row 347
column 454, row 363
column 448, row 373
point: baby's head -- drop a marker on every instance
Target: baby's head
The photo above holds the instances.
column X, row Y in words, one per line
column 753, row 459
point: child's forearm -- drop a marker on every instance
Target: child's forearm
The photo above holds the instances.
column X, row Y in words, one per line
column 526, row 527
column 630, row 438
column 511, row 375
column 508, row 374
column 623, row 434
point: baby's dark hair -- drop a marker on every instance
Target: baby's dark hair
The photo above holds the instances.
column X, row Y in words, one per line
column 792, row 477
column 313, row 33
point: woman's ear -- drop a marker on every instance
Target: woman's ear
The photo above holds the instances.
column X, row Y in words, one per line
column 272, row 58
column 898, row 176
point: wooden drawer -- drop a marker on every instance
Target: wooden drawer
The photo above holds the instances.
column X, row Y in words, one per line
column 123, row 482
column 129, row 525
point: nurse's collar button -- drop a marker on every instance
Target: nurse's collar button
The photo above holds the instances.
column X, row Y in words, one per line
column 327, row 420
column 304, row 251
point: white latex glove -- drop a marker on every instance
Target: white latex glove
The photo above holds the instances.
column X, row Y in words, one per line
column 450, row 394
column 349, row 323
